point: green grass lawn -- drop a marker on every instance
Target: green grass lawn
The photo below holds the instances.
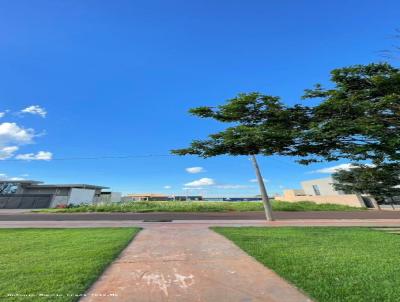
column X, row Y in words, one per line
column 198, row 206
column 330, row 264
column 61, row 262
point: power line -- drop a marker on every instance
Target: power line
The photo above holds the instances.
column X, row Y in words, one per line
column 103, row 157
column 99, row 157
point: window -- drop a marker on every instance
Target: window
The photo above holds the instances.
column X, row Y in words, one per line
column 316, row 189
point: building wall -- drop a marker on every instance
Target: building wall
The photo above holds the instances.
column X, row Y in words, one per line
column 25, row 201
column 78, row 196
column 291, row 193
column 58, row 200
column 112, row 197
column 55, row 191
column 116, row 197
column 352, row 200
column 325, row 186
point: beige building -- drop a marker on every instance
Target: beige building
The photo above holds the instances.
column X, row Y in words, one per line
column 322, row 191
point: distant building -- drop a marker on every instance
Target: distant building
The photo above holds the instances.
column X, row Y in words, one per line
column 162, row 197
column 232, row 199
column 322, row 191
column 109, row 197
column 145, row 197
column 186, row 198
column 35, row 194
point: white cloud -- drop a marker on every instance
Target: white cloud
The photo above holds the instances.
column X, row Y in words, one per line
column 4, row 176
column 167, row 187
column 2, row 114
column 41, row 155
column 11, row 133
column 36, row 110
column 7, row 152
column 12, row 136
column 194, row 170
column 232, row 186
column 16, row 178
column 201, row 182
column 256, row 180
column 330, row 170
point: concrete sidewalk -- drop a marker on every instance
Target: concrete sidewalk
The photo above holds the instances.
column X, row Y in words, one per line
column 188, row 263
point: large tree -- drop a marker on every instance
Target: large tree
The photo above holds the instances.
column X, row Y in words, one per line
column 358, row 118
column 259, row 124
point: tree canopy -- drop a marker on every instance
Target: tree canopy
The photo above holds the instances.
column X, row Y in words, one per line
column 358, row 118
column 381, row 181
column 260, row 124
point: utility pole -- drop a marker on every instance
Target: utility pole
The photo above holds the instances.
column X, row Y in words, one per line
column 264, row 195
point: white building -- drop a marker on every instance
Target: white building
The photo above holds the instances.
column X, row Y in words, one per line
column 320, row 186
column 35, row 194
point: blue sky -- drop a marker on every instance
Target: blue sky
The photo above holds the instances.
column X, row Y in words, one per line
column 117, row 78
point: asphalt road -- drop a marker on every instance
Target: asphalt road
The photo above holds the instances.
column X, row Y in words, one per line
column 9, row 216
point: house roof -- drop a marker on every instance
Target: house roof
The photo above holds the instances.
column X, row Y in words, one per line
column 40, row 184
column 77, row 186
column 33, row 182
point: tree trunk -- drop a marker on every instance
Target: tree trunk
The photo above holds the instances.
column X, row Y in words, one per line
column 264, row 195
column 392, row 203
column 375, row 203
